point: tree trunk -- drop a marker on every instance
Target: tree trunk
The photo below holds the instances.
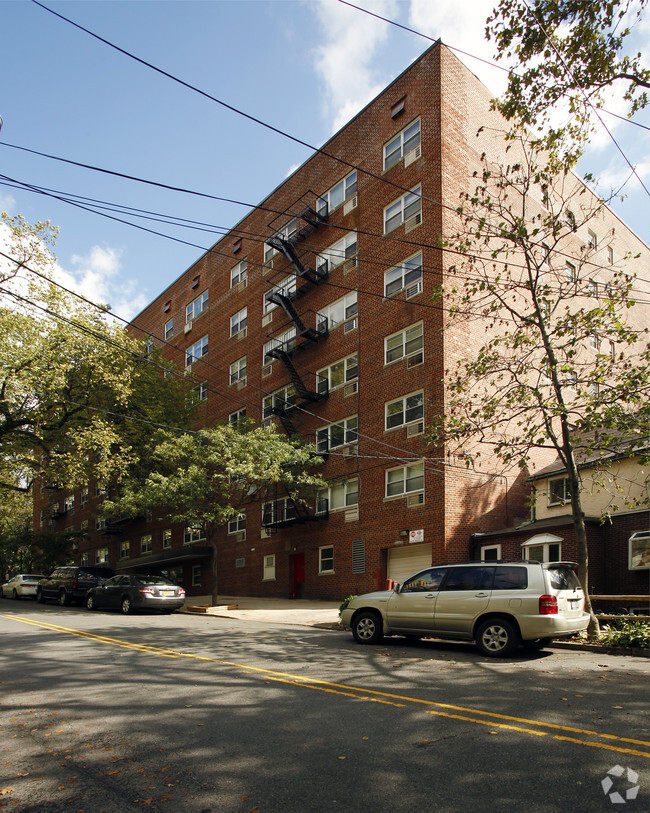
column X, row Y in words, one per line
column 580, row 530
column 215, row 583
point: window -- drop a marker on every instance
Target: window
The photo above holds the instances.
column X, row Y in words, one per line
column 84, row 526
column 338, row 311
column 238, row 273
column 338, row 496
column 148, row 347
column 237, row 416
column 338, row 374
column 342, row 250
column 424, row 582
column 639, row 550
column 281, row 400
column 196, row 351
column 125, row 549
column 286, row 288
column 470, row 578
column 196, row 575
column 339, row 193
column 193, row 533
column 405, row 275
column 409, row 205
column 287, row 233
column 510, row 577
column 405, row 410
column 558, row 491
column 594, row 389
column 200, row 392
column 101, row 556
column 196, row 307
column 402, row 144
column 84, row 559
column 84, row 498
column 167, row 538
column 326, row 559
column 100, row 523
column 612, row 350
column 145, row 544
column 68, row 504
column 269, row 569
column 278, row 511
column 610, row 255
column 594, row 341
column 571, row 272
column 405, row 479
column 401, row 344
column 238, row 322
column 100, row 491
column 337, row 434
column 593, row 287
column 592, row 239
column 237, row 525
column 169, row 329
column 543, row 552
column 490, row 553
column 238, row 371
column 284, row 341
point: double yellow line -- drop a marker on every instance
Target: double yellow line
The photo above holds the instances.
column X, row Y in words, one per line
column 579, row 736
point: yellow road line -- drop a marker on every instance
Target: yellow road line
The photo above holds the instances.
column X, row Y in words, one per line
column 359, row 693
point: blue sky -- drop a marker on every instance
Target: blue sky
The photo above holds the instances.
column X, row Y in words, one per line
column 303, row 66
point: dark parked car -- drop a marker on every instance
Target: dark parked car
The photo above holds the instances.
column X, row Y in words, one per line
column 136, row 592
column 70, row 584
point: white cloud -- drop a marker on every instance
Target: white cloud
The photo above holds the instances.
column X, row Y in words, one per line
column 7, row 204
column 347, row 60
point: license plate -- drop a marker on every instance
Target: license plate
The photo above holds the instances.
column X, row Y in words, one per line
column 168, row 592
column 574, row 603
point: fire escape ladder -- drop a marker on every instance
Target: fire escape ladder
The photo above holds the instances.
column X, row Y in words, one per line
column 287, row 306
column 286, row 248
column 294, row 375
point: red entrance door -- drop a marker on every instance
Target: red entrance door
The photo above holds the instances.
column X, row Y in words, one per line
column 298, row 575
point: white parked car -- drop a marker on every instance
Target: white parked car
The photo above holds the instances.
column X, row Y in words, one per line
column 23, row 584
column 497, row 605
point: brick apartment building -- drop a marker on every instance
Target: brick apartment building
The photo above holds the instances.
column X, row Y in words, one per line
column 315, row 312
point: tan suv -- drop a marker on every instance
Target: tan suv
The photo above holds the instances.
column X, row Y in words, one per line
column 496, row 604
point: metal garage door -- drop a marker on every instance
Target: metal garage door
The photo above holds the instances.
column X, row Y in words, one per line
column 404, row 562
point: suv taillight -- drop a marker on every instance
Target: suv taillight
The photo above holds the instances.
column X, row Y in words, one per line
column 547, row 605
column 74, row 584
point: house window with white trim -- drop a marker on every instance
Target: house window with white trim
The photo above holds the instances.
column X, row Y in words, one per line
column 338, row 374
column 238, row 371
column 286, row 288
column 275, row 511
column 326, row 559
column 281, row 399
column 145, row 544
column 101, row 556
column 405, row 479
column 238, row 322
column 339, row 311
column 639, row 550
column 402, row 144
column 338, row 194
column 409, row 205
column 237, row 416
column 289, row 231
column 200, row 392
column 125, row 549
column 196, row 351
column 268, row 573
column 542, row 552
column 100, row 523
column 558, row 491
column 338, row 496
column 490, row 553
column 342, row 250
column 592, row 239
column 239, row 273
column 237, row 525
column 404, row 343
column 408, row 409
column 196, row 575
column 571, row 272
column 407, row 275
column 169, row 329
column 196, row 307
column 338, row 434
column 193, row 533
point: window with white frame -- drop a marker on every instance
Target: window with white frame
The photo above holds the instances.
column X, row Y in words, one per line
column 196, row 575
column 100, row 523
column 571, row 272
column 407, row 275
column 284, row 341
column 286, row 288
column 594, row 341
column 276, row 511
column 592, row 239
column 145, row 544
column 68, row 504
column 610, row 255
column 338, row 496
column 404, row 343
column 285, row 233
column 101, row 556
column 193, row 533
column 269, row 568
column 338, row 374
column 148, row 347
column 490, row 553
column 339, row 311
column 237, row 416
column 238, row 371
column 200, row 392
column 639, row 550
column 196, row 306
column 409, row 205
column 125, row 549
column 559, row 492
column 405, row 479
column 238, row 273
column 196, row 351
column 337, row 253
column 84, row 559
column 169, row 329
column 404, row 410
column 402, row 144
column 326, row 559
column 338, row 434
column 338, row 194
column 542, row 551
column 84, row 498
column 281, row 399
column 238, row 321
column 167, row 538
column 237, row 525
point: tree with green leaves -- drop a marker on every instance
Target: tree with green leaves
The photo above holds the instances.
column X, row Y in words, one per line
column 205, row 478
column 564, row 363
column 567, row 54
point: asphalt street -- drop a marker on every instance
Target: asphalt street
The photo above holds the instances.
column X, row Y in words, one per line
column 104, row 713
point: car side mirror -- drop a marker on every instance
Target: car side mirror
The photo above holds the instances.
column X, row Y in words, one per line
column 398, row 588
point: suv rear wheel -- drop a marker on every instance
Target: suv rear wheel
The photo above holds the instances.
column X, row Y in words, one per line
column 497, row 638
column 367, row 627
column 39, row 596
column 63, row 598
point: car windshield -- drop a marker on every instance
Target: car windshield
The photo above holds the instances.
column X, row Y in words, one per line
column 152, row 580
column 32, row 578
column 563, row 578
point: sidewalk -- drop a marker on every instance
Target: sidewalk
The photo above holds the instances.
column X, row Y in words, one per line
column 302, row 612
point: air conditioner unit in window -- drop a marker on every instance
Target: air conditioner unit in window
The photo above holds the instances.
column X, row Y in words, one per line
column 412, row 155
column 188, row 327
column 243, row 283
column 349, row 451
column 415, row 499
column 349, row 205
column 352, row 514
column 414, row 429
column 351, row 325
column 240, row 537
column 349, row 265
column 412, row 222
column 241, row 384
column 267, row 370
column 414, row 290
column 265, row 533
column 414, row 359
column 267, row 319
column 267, row 266
column 351, row 388
column 242, row 334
